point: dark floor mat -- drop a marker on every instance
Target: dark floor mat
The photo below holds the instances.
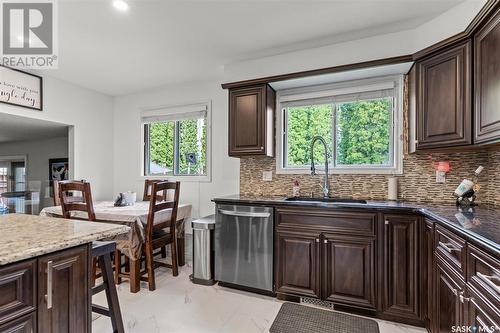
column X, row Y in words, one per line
column 296, row 318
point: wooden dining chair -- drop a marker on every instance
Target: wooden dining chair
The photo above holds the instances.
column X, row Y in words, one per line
column 72, row 202
column 161, row 234
column 148, row 189
column 101, row 251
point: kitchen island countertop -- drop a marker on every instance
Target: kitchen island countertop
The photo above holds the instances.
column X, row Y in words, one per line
column 27, row 236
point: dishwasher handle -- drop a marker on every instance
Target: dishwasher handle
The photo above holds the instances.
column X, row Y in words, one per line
column 244, row 214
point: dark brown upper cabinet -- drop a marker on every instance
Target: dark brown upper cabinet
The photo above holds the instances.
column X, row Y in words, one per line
column 487, row 81
column 251, row 121
column 443, row 98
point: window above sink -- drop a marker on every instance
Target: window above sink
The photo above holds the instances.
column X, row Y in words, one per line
column 361, row 121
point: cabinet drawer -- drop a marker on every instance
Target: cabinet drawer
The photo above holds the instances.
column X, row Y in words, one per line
column 17, row 290
column 26, row 324
column 360, row 223
column 483, row 273
column 451, row 248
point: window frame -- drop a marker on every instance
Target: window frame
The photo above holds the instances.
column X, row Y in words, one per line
column 183, row 112
column 327, row 94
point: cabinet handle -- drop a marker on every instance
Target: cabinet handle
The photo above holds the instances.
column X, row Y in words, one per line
column 488, row 279
column 317, row 240
column 48, row 297
column 447, row 247
column 386, row 222
column 325, row 241
column 464, row 299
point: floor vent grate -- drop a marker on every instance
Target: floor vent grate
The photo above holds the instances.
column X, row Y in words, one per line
column 316, row 302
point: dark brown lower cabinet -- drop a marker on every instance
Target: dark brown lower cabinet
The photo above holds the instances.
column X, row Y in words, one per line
column 479, row 314
column 427, row 267
column 298, row 264
column 448, row 308
column 349, row 270
column 48, row 294
column 25, row 324
column 63, row 292
column 401, row 298
column 404, row 268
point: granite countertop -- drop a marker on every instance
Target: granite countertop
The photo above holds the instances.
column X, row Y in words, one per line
column 27, row 236
column 479, row 224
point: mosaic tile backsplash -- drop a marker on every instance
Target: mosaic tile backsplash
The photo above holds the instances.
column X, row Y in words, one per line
column 417, row 183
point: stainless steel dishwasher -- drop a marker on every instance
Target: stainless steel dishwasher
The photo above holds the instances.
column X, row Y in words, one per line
column 244, row 246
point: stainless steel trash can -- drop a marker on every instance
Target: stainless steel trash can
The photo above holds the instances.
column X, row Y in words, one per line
column 203, row 251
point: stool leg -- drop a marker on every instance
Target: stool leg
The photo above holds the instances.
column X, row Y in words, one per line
column 111, row 295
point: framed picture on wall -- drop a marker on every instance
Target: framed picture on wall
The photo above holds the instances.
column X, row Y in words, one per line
column 21, row 88
column 58, row 170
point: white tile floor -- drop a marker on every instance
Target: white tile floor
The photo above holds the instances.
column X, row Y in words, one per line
column 178, row 305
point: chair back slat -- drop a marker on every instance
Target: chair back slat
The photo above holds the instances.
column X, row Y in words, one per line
column 70, row 203
column 164, row 205
column 156, row 206
column 148, row 189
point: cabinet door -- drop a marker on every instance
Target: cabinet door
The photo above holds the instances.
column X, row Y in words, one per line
column 400, row 266
column 487, row 81
column 443, row 105
column 298, row 266
column 17, row 290
column 251, row 127
column 447, row 306
column 427, row 260
column 349, row 270
column 25, row 324
column 63, row 287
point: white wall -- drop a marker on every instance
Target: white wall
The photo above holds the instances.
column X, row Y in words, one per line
column 90, row 114
column 127, row 142
column 37, row 154
column 377, row 47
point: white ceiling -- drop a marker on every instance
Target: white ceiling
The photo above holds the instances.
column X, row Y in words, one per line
column 163, row 42
column 15, row 128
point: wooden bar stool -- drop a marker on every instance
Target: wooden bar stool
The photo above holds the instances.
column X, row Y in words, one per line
column 102, row 251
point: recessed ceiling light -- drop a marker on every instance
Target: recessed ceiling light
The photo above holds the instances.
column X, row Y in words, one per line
column 121, row 5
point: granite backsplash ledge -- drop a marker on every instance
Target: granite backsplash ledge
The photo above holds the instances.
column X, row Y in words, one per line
column 417, row 183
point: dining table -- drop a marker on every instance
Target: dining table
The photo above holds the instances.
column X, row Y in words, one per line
column 134, row 216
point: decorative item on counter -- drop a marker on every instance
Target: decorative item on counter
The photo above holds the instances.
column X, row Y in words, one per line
column 467, row 190
column 392, row 191
column 126, row 199
column 296, row 188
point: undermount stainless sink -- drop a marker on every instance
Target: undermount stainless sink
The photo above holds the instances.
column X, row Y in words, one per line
column 332, row 200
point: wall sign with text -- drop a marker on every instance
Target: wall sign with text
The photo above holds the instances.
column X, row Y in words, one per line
column 20, row 88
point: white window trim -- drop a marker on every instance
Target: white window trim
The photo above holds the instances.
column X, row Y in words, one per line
column 351, row 87
column 181, row 110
